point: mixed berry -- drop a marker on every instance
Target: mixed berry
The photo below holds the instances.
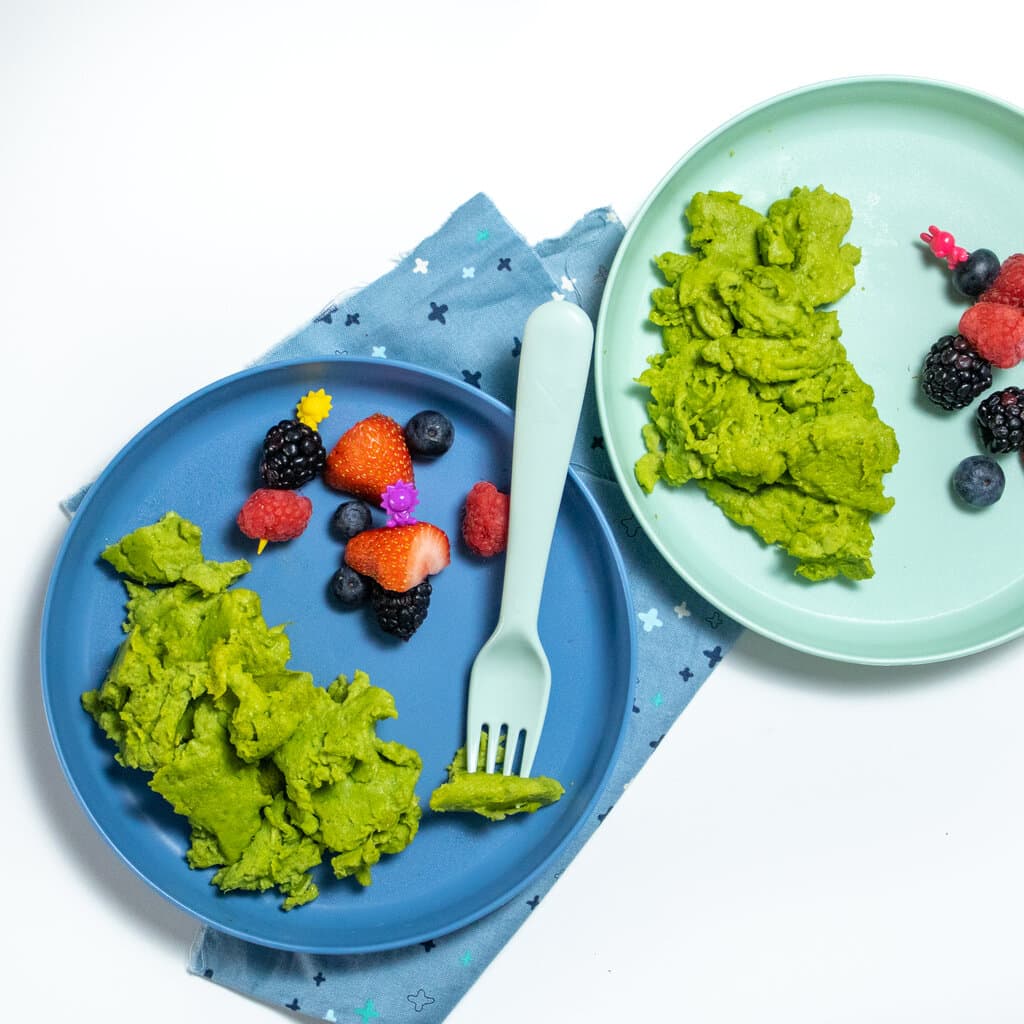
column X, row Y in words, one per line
column 387, row 567
column 958, row 368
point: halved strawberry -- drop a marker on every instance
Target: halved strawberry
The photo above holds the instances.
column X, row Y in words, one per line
column 399, row 557
column 368, row 457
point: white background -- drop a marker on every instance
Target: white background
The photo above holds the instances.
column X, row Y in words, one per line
column 182, row 184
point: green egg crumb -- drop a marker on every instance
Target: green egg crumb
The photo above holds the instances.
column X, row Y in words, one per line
column 273, row 772
column 753, row 396
column 492, row 794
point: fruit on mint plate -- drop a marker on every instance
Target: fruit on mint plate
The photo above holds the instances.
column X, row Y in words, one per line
column 1001, row 420
column 973, row 275
column 979, row 481
column 995, row 331
column 954, row 374
column 1008, row 286
column 368, row 457
column 994, row 325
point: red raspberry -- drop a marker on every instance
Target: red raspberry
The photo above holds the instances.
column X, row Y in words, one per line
column 271, row 514
column 485, row 519
column 1008, row 287
column 995, row 331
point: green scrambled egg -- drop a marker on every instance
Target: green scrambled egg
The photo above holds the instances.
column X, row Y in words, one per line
column 753, row 396
column 273, row 772
column 492, row 794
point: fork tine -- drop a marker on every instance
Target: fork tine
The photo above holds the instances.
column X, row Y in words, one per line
column 493, row 737
column 511, row 743
column 473, row 747
column 530, row 741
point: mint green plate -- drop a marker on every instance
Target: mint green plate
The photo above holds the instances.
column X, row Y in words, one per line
column 907, row 153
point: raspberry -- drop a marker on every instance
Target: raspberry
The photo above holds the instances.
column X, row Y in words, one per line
column 995, row 331
column 293, row 454
column 1001, row 420
column 485, row 519
column 954, row 375
column 271, row 514
column 1008, row 287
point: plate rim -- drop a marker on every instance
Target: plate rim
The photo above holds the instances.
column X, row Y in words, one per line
column 615, row 562
column 623, row 472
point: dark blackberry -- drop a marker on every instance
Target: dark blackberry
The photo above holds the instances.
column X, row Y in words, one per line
column 401, row 614
column 954, row 374
column 292, row 455
column 1001, row 420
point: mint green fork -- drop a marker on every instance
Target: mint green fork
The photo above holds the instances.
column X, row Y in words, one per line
column 510, row 680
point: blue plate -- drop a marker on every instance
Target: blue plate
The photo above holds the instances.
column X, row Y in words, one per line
column 199, row 458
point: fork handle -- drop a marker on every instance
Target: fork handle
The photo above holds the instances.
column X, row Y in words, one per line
column 554, row 364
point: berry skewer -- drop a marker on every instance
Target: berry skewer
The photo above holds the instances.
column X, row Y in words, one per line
column 994, row 325
column 972, row 272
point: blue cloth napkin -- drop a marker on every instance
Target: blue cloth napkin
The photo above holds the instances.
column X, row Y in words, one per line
column 457, row 303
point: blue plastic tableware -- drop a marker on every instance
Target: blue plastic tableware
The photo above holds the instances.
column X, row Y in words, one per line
column 907, row 154
column 200, row 459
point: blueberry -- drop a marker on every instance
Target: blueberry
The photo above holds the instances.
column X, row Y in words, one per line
column 979, row 480
column 429, row 433
column 352, row 517
column 973, row 275
column 349, row 587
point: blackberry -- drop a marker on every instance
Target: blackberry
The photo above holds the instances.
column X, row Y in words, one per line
column 401, row 614
column 1001, row 420
column 954, row 374
column 292, row 455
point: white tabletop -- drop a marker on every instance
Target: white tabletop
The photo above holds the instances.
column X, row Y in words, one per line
column 183, row 184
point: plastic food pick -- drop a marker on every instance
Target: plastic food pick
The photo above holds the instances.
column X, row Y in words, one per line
column 944, row 246
column 398, row 500
column 313, row 407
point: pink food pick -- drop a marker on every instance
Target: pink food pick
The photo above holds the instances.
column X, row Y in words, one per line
column 398, row 500
column 944, row 246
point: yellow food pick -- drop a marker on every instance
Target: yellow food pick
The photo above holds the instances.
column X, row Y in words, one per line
column 313, row 407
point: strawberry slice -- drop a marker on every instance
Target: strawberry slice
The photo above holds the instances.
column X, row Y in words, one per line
column 399, row 557
column 369, row 456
